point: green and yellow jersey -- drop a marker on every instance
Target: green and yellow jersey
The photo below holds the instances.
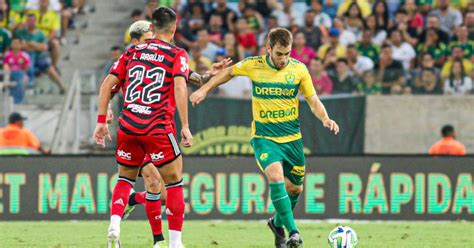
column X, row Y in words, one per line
column 275, row 96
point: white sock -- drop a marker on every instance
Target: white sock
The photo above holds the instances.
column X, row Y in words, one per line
column 115, row 219
column 175, row 238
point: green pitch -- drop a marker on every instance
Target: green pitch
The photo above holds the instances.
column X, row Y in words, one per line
column 233, row 234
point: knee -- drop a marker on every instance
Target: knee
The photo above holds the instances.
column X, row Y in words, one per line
column 153, row 184
column 294, row 190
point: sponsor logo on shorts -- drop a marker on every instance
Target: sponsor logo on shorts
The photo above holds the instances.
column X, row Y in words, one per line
column 298, row 170
column 168, row 211
column 124, row 155
column 157, row 156
column 264, row 156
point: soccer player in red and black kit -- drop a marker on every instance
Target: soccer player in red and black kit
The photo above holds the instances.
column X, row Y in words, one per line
column 155, row 75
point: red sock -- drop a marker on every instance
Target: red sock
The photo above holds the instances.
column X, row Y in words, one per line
column 153, row 212
column 120, row 196
column 175, row 206
column 140, row 197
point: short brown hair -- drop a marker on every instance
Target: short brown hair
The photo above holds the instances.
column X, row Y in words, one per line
column 280, row 36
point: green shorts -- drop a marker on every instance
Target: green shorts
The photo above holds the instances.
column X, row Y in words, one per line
column 290, row 155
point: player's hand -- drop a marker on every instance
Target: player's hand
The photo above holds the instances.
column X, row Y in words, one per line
column 217, row 67
column 110, row 116
column 101, row 131
column 186, row 137
column 332, row 125
column 198, row 96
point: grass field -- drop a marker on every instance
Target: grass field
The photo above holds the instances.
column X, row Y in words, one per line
column 234, row 234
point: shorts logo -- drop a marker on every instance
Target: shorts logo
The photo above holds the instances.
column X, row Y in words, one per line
column 157, row 217
column 124, row 155
column 298, row 170
column 119, row 202
column 168, row 212
column 157, row 156
column 264, row 156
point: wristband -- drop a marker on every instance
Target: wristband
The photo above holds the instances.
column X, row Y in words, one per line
column 101, row 119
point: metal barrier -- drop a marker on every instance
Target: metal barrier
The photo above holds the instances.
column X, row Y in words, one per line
column 75, row 125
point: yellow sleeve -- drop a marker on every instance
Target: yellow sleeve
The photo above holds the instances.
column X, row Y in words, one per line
column 242, row 68
column 57, row 22
column 306, row 83
column 446, row 68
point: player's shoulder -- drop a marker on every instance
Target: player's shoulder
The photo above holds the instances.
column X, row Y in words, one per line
column 296, row 64
column 253, row 61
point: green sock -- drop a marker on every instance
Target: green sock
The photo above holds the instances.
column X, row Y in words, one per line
column 294, row 200
column 282, row 204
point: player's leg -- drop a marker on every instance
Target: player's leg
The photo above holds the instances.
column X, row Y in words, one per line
column 269, row 157
column 129, row 156
column 172, row 176
column 153, row 184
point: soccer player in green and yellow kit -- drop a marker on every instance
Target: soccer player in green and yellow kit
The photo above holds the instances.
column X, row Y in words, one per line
column 276, row 136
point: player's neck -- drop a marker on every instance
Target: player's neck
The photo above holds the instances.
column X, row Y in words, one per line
column 164, row 37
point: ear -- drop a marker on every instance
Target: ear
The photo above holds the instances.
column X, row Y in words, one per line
column 268, row 48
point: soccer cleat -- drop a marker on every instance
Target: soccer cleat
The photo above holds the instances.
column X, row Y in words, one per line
column 279, row 233
column 113, row 236
column 129, row 207
column 294, row 241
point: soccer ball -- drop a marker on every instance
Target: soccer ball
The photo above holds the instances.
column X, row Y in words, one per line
column 342, row 237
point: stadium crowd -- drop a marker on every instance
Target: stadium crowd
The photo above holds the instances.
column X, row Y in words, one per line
column 349, row 46
column 31, row 34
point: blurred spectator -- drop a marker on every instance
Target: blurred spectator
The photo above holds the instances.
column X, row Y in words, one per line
column 321, row 80
column 136, row 15
column 369, row 85
column 54, row 5
column 262, row 7
column 233, row 49
column 433, row 23
column 334, row 43
column 469, row 21
column 208, row 48
column 415, row 19
column 427, row 77
column 198, row 62
column 245, row 37
column 346, row 37
column 367, row 48
column 354, row 21
column 357, row 63
column 254, row 19
column 402, row 51
column 457, row 53
column 312, row 32
column 433, row 46
column 115, row 53
column 228, row 16
column 448, row 145
column 343, row 78
column 16, row 64
column 14, row 135
column 330, row 60
column 462, row 41
column 150, row 6
column 36, row 45
column 300, row 50
column 378, row 35
column 330, row 7
column 49, row 22
column 272, row 22
column 382, row 18
column 363, row 5
column 194, row 19
column 390, row 72
column 320, row 18
column 216, row 30
column 402, row 24
column 449, row 18
column 458, row 82
column 5, row 39
column 285, row 13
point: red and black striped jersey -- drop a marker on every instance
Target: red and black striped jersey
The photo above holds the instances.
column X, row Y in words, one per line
column 147, row 72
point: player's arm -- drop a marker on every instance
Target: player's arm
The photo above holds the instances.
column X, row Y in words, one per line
column 315, row 104
column 199, row 80
column 180, row 76
column 221, row 78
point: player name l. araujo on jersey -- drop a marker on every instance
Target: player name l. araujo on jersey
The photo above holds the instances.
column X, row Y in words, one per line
column 275, row 96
